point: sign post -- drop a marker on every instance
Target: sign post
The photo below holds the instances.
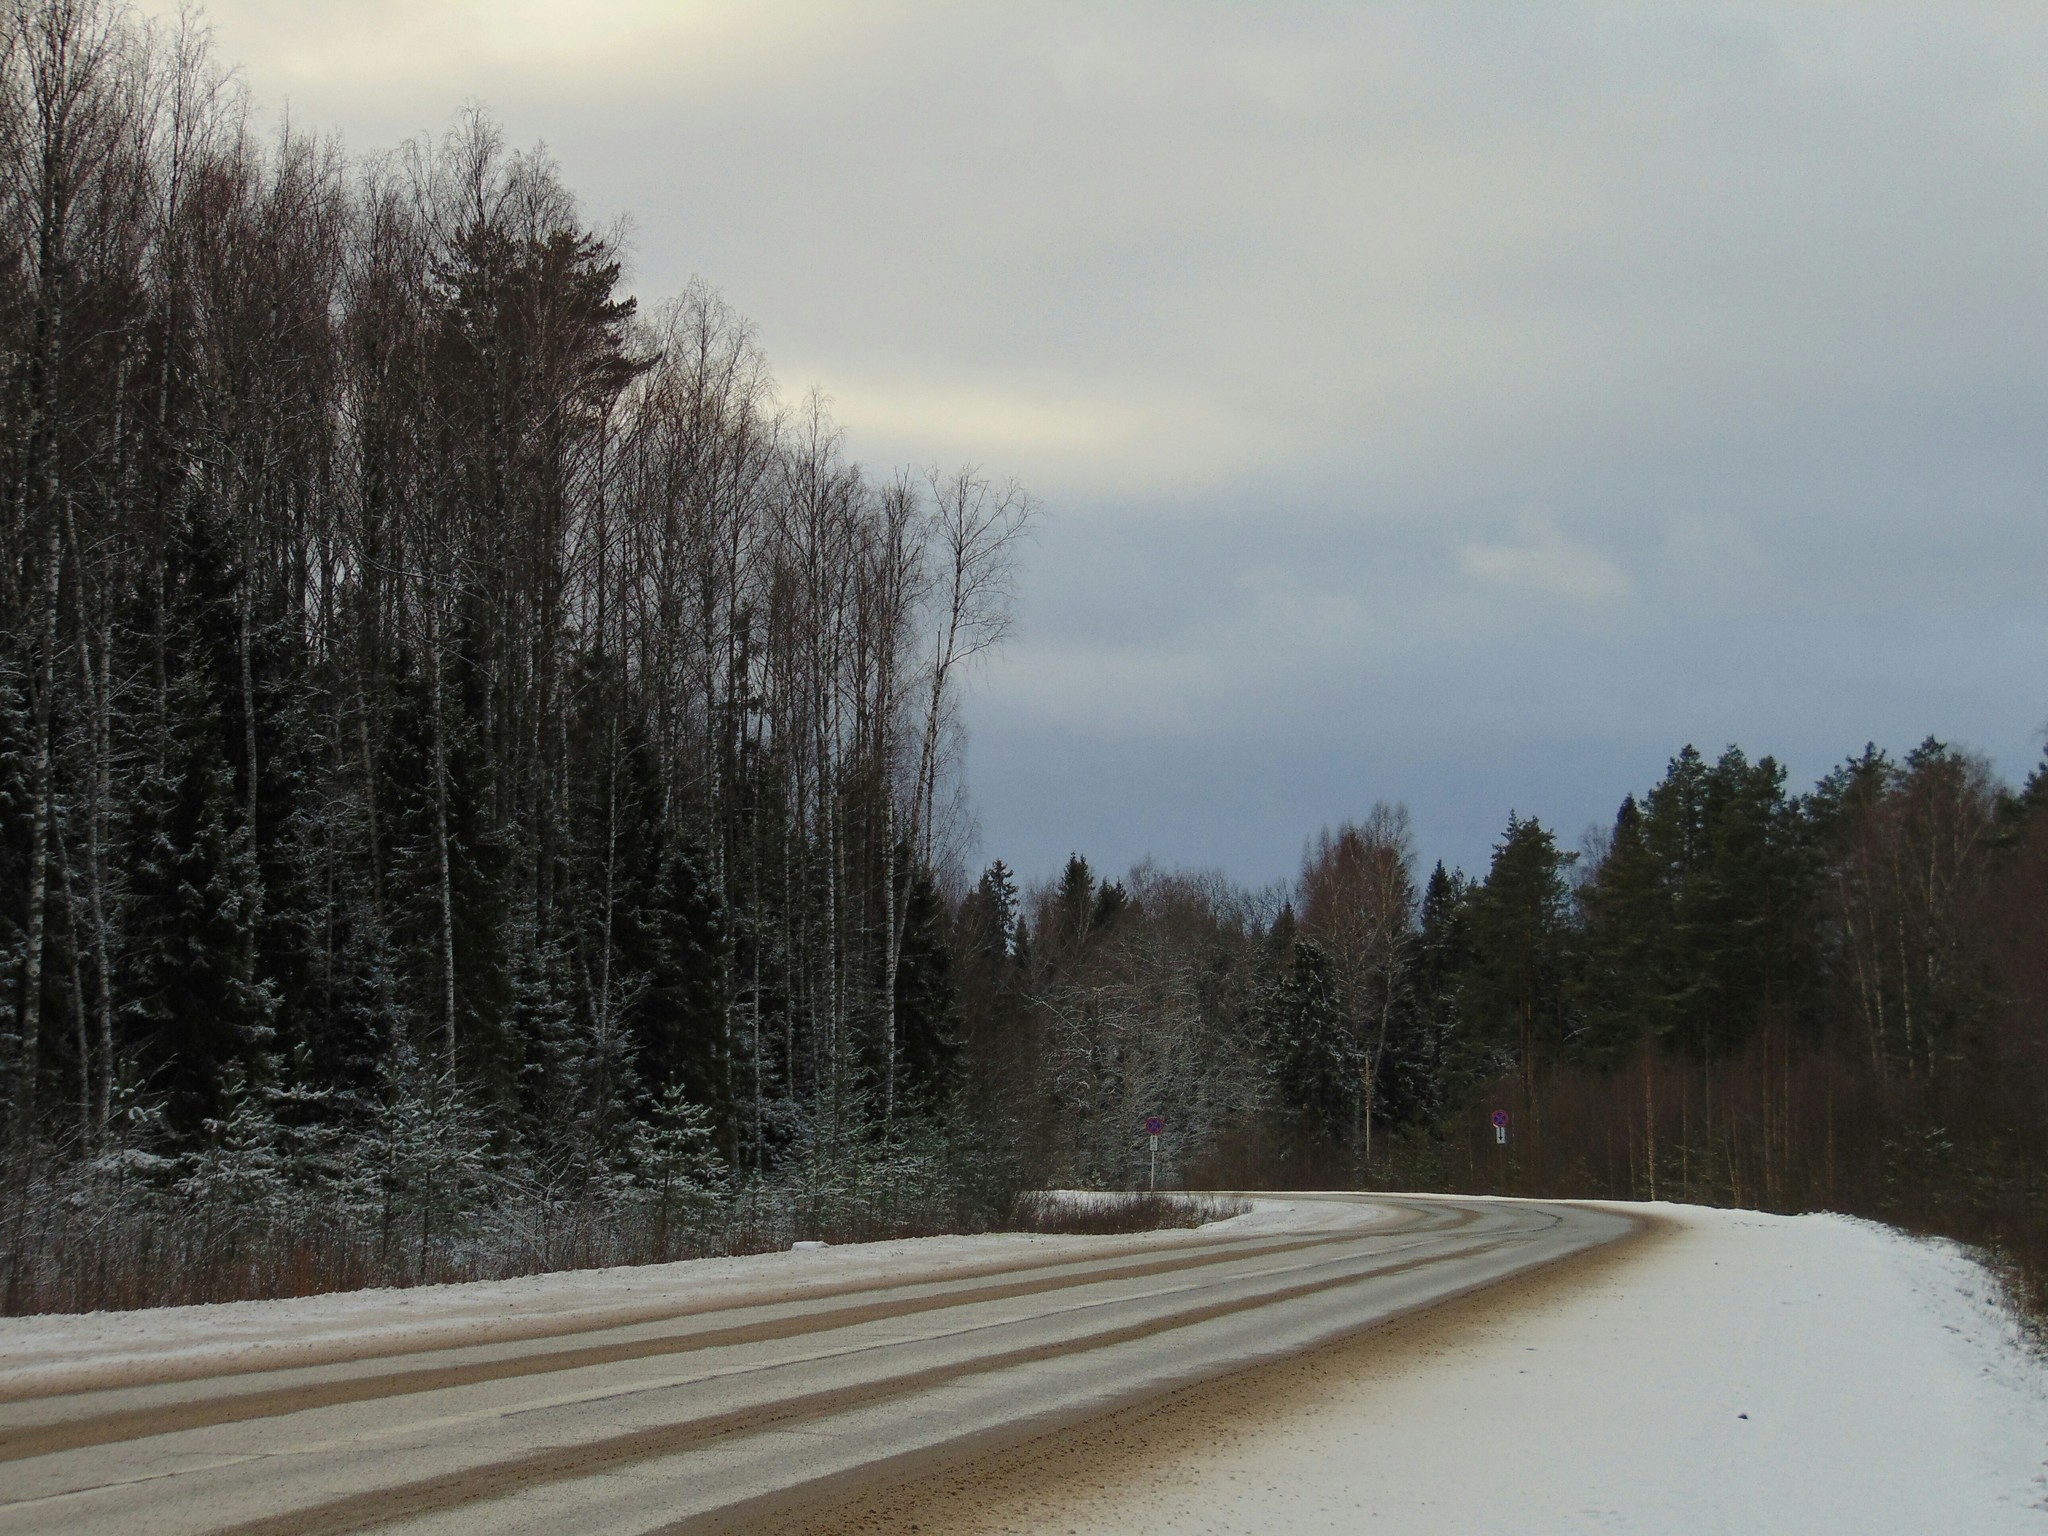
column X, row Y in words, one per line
column 1155, row 1127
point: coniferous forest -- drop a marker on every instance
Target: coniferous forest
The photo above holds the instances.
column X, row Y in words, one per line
column 465, row 749
column 478, row 794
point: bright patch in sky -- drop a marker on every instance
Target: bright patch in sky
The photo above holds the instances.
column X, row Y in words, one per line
column 1543, row 561
column 1289, row 315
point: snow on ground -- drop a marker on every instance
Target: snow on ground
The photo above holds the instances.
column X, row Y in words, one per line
column 42, row 1352
column 1747, row 1374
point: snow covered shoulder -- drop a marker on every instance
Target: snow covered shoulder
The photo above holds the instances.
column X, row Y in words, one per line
column 1743, row 1373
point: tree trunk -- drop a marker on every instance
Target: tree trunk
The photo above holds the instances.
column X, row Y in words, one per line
column 39, row 844
column 892, row 957
column 445, row 882
column 96, row 872
column 1650, row 1112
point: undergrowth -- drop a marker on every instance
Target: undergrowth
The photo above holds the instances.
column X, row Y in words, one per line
column 1087, row 1213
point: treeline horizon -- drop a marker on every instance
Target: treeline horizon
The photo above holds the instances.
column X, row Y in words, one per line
column 1733, row 994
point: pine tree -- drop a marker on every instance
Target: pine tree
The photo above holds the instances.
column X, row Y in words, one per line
column 234, row 1182
column 1630, row 916
column 1445, row 1061
column 423, row 1165
column 676, row 1167
column 197, row 1008
column 1314, row 1059
column 928, row 1038
column 674, row 946
column 17, row 791
column 1073, row 907
column 1519, row 991
column 1112, row 901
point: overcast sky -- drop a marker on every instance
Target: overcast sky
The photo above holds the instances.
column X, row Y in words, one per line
column 1465, row 405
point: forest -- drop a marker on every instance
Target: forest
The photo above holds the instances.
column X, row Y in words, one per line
column 1736, row 994
column 473, row 761
column 479, row 793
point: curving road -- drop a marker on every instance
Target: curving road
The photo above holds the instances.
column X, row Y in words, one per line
column 688, row 1419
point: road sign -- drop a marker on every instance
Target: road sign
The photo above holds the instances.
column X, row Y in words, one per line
column 1155, row 1125
column 1500, row 1134
column 1500, row 1119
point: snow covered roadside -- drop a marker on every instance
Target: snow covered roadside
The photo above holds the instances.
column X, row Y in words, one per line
column 1744, row 1374
column 57, row 1352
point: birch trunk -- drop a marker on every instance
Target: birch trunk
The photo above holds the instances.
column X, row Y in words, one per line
column 445, row 880
column 39, row 846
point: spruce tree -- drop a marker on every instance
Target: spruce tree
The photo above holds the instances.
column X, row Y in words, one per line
column 1520, row 990
column 1314, row 1060
column 197, row 1010
column 928, row 1038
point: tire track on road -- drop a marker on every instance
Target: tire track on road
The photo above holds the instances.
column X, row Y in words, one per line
column 453, row 1335
column 126, row 1424
column 363, row 1511
column 990, row 1479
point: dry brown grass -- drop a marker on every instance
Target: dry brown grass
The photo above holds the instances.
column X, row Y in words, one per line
column 1088, row 1213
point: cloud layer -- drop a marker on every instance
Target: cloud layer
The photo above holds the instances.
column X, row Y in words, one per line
column 1461, row 404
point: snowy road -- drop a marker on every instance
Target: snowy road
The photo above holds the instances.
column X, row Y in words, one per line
column 692, row 1397
column 1737, row 1374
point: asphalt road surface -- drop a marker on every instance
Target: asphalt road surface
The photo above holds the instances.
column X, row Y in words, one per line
column 702, row 1420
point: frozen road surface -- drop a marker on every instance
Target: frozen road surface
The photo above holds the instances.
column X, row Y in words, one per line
column 1323, row 1363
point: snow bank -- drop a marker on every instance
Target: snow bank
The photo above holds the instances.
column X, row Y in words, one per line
column 1748, row 1374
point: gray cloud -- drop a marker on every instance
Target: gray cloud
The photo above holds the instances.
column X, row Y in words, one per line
column 1462, row 404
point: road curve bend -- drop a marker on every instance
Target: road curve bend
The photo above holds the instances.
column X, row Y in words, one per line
column 681, row 1417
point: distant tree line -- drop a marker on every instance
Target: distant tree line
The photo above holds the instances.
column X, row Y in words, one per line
column 1736, row 994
